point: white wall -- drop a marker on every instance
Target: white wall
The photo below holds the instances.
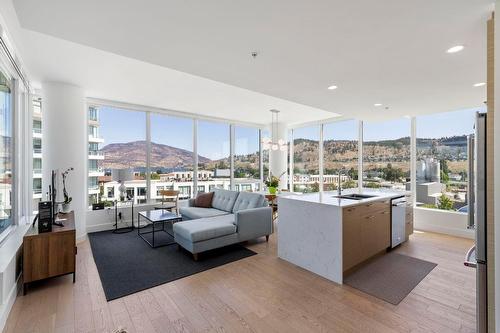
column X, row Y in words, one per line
column 442, row 221
column 99, row 220
column 64, row 143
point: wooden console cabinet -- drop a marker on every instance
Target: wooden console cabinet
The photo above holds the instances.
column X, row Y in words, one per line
column 50, row 254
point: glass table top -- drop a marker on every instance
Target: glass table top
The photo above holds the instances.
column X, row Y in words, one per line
column 158, row 215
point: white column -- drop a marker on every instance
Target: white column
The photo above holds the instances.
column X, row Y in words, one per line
column 278, row 158
column 65, row 144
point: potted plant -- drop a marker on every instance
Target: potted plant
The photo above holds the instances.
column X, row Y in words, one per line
column 272, row 183
column 67, row 198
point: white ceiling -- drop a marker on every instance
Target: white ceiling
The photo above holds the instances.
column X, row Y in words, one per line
column 388, row 51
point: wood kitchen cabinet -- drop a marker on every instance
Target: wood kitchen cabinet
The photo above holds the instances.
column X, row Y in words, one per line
column 351, row 237
column 366, row 232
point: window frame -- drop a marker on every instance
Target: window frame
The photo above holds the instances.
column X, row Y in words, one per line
column 149, row 111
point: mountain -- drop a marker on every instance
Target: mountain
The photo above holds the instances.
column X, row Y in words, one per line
column 133, row 155
column 343, row 153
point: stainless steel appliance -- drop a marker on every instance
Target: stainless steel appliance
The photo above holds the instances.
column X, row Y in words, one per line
column 477, row 255
column 398, row 216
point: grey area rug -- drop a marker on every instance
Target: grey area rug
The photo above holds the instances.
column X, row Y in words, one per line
column 126, row 264
column 390, row 277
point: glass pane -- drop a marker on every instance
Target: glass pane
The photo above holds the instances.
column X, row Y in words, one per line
column 5, row 154
column 386, row 154
column 306, row 159
column 118, row 143
column 213, row 151
column 37, row 153
column 246, row 159
column 340, row 153
column 172, row 159
column 442, row 160
column 265, row 155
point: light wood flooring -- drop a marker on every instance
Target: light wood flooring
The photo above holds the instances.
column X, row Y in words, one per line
column 257, row 294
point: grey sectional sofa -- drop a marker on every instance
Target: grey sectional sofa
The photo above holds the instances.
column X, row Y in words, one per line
column 234, row 217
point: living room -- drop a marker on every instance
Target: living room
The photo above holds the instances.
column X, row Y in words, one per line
column 221, row 166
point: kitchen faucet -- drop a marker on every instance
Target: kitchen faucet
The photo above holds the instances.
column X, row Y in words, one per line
column 339, row 187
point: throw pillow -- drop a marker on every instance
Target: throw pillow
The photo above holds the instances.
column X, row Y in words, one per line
column 204, row 200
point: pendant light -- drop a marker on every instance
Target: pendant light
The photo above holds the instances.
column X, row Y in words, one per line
column 274, row 143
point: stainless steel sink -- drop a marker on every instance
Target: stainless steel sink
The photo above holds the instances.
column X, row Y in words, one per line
column 354, row 196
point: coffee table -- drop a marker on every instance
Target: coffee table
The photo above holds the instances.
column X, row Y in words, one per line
column 156, row 216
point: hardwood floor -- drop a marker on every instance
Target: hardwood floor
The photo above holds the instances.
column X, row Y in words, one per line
column 257, row 294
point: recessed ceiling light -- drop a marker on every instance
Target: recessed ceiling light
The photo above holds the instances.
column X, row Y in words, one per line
column 332, row 87
column 480, row 84
column 377, row 104
column 455, row 49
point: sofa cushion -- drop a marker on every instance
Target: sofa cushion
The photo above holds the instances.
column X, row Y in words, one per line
column 204, row 200
column 247, row 200
column 224, row 199
column 204, row 229
column 191, row 213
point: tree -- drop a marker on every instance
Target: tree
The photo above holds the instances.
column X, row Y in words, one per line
column 372, row 185
column 349, row 184
column 315, row 187
column 352, row 173
column 445, row 203
column 445, row 171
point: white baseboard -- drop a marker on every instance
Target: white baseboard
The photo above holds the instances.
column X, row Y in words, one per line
column 100, row 227
column 7, row 306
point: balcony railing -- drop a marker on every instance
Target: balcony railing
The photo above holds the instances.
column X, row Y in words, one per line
column 37, row 150
column 37, row 191
column 93, row 187
column 37, row 171
column 95, row 137
column 98, row 169
column 95, row 153
column 37, row 130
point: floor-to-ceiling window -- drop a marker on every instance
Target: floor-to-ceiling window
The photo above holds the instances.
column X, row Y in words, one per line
column 386, row 154
column 306, row 159
column 246, row 159
column 37, row 152
column 172, row 158
column 214, row 165
column 442, row 159
column 265, row 156
column 117, row 141
column 340, row 154
column 6, row 157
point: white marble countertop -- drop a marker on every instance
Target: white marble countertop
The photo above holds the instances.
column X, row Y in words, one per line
column 330, row 198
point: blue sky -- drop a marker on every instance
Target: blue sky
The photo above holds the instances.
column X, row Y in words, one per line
column 430, row 126
column 118, row 126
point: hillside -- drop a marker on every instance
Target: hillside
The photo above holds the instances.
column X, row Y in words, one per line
column 343, row 153
column 337, row 153
column 133, row 155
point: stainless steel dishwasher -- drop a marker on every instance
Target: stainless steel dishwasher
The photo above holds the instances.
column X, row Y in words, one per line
column 398, row 220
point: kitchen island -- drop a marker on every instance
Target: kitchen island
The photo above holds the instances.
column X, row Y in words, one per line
column 329, row 234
